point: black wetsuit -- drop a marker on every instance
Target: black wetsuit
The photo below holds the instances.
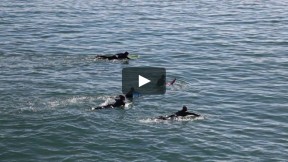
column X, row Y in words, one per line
column 179, row 113
column 122, row 56
column 118, row 103
column 119, row 56
column 185, row 113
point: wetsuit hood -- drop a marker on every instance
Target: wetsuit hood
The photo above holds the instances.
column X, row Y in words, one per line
column 184, row 108
column 121, row 97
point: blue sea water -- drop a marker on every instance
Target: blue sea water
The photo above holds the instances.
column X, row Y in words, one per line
column 229, row 57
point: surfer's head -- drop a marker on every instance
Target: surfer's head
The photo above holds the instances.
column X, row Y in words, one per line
column 121, row 97
column 126, row 53
column 184, row 108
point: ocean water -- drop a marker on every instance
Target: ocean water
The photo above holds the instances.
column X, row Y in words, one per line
column 229, row 57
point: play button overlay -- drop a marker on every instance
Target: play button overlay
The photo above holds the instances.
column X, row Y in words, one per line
column 144, row 80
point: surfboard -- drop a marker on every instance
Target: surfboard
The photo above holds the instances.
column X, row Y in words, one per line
column 133, row 56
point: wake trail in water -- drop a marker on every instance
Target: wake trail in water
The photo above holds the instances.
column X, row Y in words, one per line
column 176, row 119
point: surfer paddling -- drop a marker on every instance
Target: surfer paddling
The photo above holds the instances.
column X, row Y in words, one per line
column 118, row 103
column 118, row 56
column 181, row 113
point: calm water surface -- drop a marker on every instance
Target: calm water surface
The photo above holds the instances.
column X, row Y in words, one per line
column 230, row 59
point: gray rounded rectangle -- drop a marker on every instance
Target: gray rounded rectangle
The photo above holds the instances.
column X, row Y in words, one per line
column 156, row 75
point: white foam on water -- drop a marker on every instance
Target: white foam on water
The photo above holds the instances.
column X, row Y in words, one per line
column 128, row 105
column 179, row 119
column 70, row 101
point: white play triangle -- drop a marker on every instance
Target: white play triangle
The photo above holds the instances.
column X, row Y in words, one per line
column 142, row 81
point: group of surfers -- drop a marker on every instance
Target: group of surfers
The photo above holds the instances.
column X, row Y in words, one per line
column 120, row 101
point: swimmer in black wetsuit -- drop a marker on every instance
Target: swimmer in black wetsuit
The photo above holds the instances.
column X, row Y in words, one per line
column 118, row 56
column 182, row 113
column 118, row 103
